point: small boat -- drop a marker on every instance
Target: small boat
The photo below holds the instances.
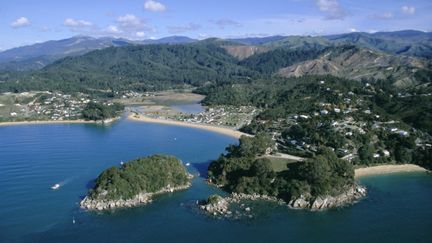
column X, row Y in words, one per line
column 187, row 164
column 121, row 163
column 55, row 187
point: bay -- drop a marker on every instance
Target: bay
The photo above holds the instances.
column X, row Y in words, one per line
column 34, row 157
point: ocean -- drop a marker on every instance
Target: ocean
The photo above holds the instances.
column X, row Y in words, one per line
column 35, row 157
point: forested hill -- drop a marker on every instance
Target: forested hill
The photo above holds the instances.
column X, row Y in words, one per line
column 145, row 67
column 221, row 62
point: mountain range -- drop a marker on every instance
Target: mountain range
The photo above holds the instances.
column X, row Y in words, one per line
column 36, row 56
column 83, row 63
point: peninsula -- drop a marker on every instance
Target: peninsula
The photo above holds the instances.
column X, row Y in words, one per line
column 136, row 182
column 324, row 181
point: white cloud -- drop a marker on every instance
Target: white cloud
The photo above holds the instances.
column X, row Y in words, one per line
column 127, row 26
column 353, row 30
column 130, row 21
column 112, row 29
column 20, row 22
column 77, row 23
column 183, row 28
column 408, row 9
column 332, row 8
column 154, row 6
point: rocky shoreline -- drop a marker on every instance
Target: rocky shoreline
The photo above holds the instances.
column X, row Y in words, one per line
column 217, row 205
column 351, row 195
column 140, row 199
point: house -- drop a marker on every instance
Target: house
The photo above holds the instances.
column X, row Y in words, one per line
column 403, row 133
column 324, row 112
column 385, row 153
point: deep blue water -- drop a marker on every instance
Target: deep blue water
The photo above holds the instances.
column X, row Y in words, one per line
column 33, row 158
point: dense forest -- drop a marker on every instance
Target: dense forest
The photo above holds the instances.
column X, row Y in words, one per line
column 243, row 170
column 143, row 175
column 198, row 64
column 98, row 111
column 146, row 67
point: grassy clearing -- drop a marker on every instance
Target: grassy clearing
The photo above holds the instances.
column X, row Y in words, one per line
column 280, row 164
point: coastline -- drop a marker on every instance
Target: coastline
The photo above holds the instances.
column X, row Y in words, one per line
column 387, row 169
column 212, row 128
column 139, row 199
column 45, row 122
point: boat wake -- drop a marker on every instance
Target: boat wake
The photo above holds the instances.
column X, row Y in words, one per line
column 62, row 183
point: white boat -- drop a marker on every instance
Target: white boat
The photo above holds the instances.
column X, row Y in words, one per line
column 187, row 164
column 55, row 187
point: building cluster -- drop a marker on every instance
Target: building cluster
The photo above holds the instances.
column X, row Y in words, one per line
column 223, row 116
column 51, row 106
column 348, row 116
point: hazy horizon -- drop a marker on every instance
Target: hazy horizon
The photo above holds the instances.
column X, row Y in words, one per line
column 26, row 22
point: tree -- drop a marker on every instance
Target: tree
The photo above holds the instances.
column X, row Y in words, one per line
column 403, row 155
column 365, row 153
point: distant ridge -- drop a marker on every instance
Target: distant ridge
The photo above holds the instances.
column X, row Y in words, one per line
column 37, row 56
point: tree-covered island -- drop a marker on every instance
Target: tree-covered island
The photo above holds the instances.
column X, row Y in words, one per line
column 136, row 181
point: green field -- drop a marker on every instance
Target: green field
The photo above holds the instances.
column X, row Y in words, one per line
column 280, row 164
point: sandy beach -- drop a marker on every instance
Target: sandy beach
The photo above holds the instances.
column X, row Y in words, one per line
column 386, row 169
column 45, row 122
column 221, row 130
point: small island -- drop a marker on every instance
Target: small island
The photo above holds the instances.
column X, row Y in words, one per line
column 136, row 182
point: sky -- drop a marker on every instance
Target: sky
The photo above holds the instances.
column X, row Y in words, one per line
column 24, row 22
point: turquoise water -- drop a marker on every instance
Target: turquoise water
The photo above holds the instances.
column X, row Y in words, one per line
column 33, row 158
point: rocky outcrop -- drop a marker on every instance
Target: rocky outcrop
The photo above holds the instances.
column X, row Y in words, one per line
column 351, row 195
column 217, row 205
column 221, row 206
column 140, row 199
